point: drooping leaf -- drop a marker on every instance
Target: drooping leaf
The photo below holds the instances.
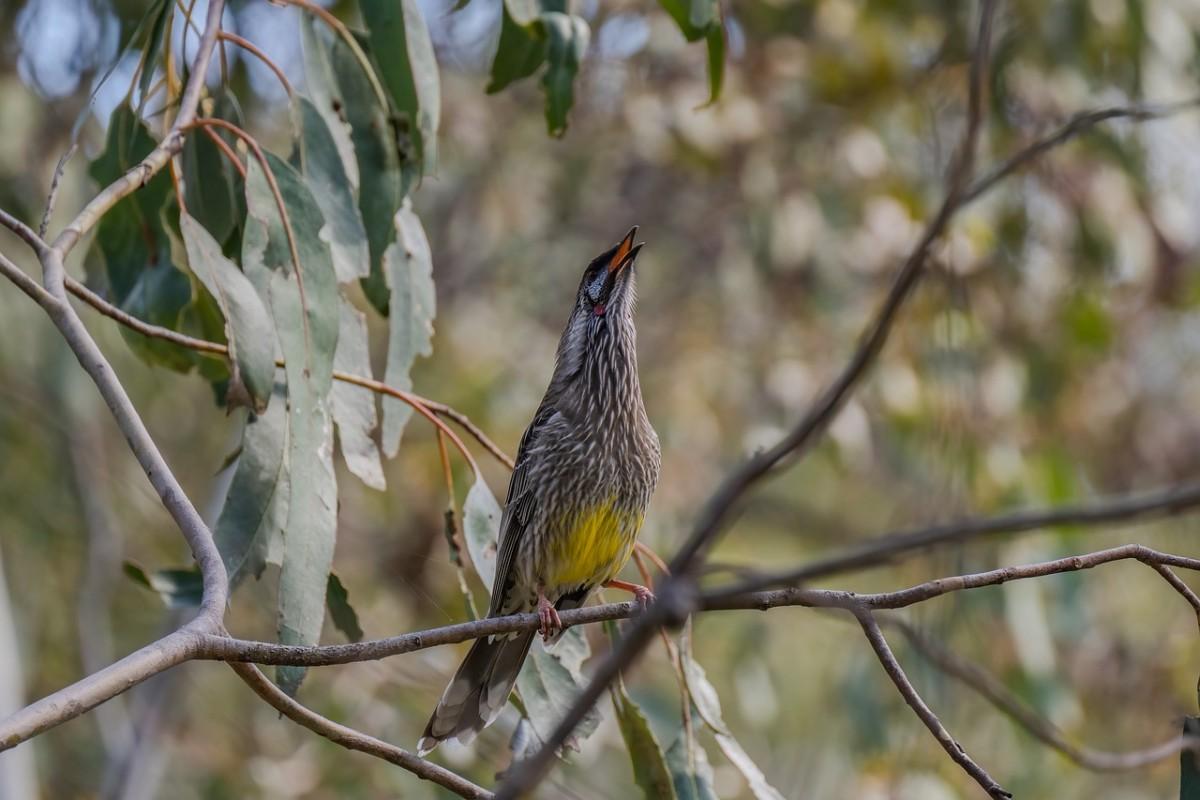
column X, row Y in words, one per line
column 519, row 52
column 384, row 177
column 701, row 19
column 693, row 779
column 548, row 689
column 344, row 617
column 650, row 770
column 178, row 588
column 408, row 267
column 566, row 44
column 163, row 9
column 134, row 250
column 325, row 172
column 481, row 527
column 401, row 44
column 304, row 304
column 255, row 509
column 353, row 406
column 249, row 329
column 326, row 95
column 209, row 188
column 708, row 704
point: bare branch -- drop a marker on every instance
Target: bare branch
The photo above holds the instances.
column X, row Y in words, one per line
column 1042, row 729
column 1157, row 504
column 55, row 182
column 354, row 740
column 894, row 671
column 24, row 231
column 25, row 283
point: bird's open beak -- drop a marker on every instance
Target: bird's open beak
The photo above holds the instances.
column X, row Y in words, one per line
column 626, row 252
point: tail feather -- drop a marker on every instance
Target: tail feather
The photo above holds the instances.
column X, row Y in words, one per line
column 478, row 691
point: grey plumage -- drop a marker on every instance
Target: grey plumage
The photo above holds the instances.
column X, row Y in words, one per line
column 585, row 470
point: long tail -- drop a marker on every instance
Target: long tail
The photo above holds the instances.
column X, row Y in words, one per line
column 478, row 691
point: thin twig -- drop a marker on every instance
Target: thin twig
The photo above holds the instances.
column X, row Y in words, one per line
column 55, row 182
column 995, row 692
column 24, row 231
column 254, row 50
column 887, row 548
column 896, row 673
column 355, row 740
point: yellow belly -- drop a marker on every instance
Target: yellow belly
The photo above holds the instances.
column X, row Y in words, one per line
column 591, row 547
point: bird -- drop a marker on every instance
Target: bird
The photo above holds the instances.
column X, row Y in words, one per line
column 584, row 474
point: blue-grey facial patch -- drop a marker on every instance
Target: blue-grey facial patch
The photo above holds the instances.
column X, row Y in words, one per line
column 596, row 287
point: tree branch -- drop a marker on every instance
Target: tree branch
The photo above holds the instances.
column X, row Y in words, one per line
column 887, row 548
column 354, row 740
column 1042, row 729
column 896, row 672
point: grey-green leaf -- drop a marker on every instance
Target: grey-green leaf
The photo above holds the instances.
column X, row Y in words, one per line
column 401, row 44
column 326, row 93
column 701, row 19
column 344, row 617
column 481, row 527
column 248, row 325
column 707, row 702
column 548, row 689
column 249, row 518
column 408, row 267
column 519, row 52
column 566, row 44
column 353, row 406
column 331, row 188
column 693, row 780
column 304, row 304
column 650, row 770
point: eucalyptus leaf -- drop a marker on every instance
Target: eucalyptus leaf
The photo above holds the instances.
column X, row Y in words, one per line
column 548, row 690
column 519, row 53
column 481, row 527
column 249, row 518
column 566, row 44
column 304, row 304
column 133, row 250
column 178, row 588
column 154, row 45
column 408, row 267
column 326, row 95
column 249, row 328
column 708, row 704
column 650, row 770
column 326, row 175
column 701, row 19
column 693, row 778
column 400, row 42
column 354, row 409
column 209, row 188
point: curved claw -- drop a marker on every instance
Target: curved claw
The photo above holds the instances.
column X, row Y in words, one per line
column 551, row 623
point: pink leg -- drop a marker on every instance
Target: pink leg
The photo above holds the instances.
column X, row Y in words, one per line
column 548, row 614
column 641, row 593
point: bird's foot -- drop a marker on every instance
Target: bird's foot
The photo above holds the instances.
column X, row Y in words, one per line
column 551, row 623
column 640, row 593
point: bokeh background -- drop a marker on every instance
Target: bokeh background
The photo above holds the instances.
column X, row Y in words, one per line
column 1049, row 356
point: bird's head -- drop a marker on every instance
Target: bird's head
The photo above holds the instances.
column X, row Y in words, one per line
column 600, row 329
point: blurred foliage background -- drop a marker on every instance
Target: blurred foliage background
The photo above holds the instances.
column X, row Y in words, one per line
column 1050, row 356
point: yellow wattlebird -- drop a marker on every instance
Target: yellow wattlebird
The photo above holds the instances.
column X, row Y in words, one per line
column 585, row 470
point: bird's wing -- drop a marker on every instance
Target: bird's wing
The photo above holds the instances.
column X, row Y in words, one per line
column 518, row 509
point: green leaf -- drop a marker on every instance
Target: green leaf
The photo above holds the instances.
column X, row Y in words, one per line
column 344, row 617
column 209, row 189
column 154, row 45
column 701, row 19
column 518, row 55
column 566, row 44
column 693, row 779
column 134, row 249
column 650, row 770
column 548, row 690
column 525, row 12
column 248, row 330
column 255, row 509
column 401, row 44
column 305, row 309
column 353, row 406
column 178, row 588
column 481, row 528
column 326, row 96
column 325, row 173
column 384, row 178
column 708, row 704
column 408, row 267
